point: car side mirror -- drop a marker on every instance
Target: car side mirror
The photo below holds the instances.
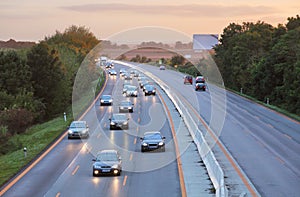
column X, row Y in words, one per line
column 141, row 138
column 164, row 137
column 93, row 159
column 109, row 119
column 68, row 127
column 120, row 158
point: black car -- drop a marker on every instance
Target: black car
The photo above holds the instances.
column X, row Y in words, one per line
column 107, row 162
column 200, row 86
column 152, row 140
column 126, row 106
column 106, row 100
column 78, row 129
column 119, row 121
column 149, row 90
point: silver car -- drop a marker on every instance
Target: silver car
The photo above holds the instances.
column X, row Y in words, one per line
column 107, row 162
column 78, row 129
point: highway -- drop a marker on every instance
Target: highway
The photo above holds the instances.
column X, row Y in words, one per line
column 67, row 169
column 264, row 143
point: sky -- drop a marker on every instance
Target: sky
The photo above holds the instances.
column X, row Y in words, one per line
column 32, row 20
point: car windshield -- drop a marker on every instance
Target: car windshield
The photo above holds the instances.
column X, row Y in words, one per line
column 155, row 136
column 77, row 125
column 149, row 87
column 125, row 103
column 131, row 88
column 119, row 117
column 107, row 157
column 106, row 97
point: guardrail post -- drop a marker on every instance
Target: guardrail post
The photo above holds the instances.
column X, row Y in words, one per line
column 25, row 152
column 65, row 116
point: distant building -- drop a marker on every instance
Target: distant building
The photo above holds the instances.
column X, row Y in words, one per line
column 205, row 41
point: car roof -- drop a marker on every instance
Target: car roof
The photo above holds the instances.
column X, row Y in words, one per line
column 152, row 133
column 79, row 121
column 108, row 151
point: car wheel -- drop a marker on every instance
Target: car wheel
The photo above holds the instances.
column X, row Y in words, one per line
column 111, row 128
column 154, row 94
column 163, row 149
column 142, row 150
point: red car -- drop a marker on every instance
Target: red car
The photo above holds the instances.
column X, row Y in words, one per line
column 188, row 79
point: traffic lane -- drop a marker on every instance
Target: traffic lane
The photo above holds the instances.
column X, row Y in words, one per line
column 117, row 139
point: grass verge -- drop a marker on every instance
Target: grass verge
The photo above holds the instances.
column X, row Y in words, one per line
column 36, row 139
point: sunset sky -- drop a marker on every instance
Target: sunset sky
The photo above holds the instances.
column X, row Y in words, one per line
column 32, row 20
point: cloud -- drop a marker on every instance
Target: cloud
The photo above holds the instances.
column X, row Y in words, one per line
column 187, row 10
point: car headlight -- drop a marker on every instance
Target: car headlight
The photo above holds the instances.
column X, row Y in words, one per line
column 135, row 92
column 115, row 166
column 125, row 123
column 97, row 167
column 110, row 100
column 112, row 123
column 121, row 107
column 160, row 143
column 70, row 131
column 145, row 144
column 129, row 107
column 101, row 101
column 84, row 131
column 153, row 91
column 146, row 91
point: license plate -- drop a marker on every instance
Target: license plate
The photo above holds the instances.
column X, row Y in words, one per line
column 105, row 170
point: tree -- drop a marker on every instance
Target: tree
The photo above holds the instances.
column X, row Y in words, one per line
column 46, row 76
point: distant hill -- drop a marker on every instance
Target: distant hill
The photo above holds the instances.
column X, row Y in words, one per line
column 12, row 44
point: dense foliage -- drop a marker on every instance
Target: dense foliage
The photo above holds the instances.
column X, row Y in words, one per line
column 38, row 85
column 263, row 60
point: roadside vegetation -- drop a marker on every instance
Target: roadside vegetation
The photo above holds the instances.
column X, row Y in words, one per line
column 261, row 60
column 36, row 86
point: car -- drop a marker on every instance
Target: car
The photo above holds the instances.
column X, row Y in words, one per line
column 200, row 86
column 107, row 162
column 142, row 82
column 106, row 100
column 149, row 90
column 162, row 68
column 122, row 71
column 187, row 79
column 109, row 65
column 112, row 72
column 78, row 129
column 119, row 121
column 126, row 106
column 131, row 91
column 134, row 73
column 152, row 140
column 147, row 83
column 127, row 76
column 141, row 76
column 199, row 79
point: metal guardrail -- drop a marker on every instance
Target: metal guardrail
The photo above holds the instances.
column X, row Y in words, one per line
column 215, row 172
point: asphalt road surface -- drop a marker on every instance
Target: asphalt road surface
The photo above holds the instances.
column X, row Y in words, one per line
column 265, row 144
column 67, row 169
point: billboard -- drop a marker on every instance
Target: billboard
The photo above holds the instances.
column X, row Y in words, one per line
column 205, row 41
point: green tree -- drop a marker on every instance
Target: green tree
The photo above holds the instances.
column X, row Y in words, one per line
column 46, row 77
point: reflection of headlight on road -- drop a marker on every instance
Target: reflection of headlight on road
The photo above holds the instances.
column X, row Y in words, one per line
column 145, row 144
column 112, row 123
column 160, row 143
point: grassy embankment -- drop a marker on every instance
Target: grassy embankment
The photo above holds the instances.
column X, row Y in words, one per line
column 38, row 137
